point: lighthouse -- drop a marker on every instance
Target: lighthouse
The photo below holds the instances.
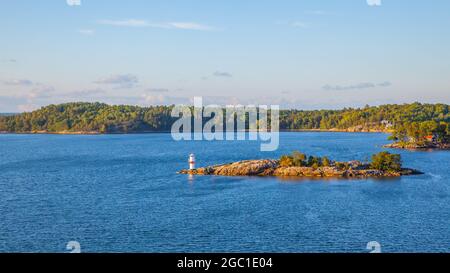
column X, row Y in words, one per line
column 191, row 161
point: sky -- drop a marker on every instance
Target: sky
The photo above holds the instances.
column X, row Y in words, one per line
column 310, row 54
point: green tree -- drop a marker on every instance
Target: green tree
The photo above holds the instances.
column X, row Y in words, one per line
column 286, row 161
column 314, row 160
column 385, row 161
column 298, row 159
column 326, row 162
column 441, row 132
column 342, row 166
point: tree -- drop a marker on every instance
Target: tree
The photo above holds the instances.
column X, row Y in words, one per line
column 3, row 124
column 326, row 162
column 298, row 159
column 427, row 128
column 342, row 166
column 399, row 134
column 286, row 161
column 385, row 161
column 312, row 160
column 441, row 132
column 413, row 131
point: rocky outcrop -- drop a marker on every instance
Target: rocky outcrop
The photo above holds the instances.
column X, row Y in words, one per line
column 416, row 146
column 270, row 167
column 242, row 168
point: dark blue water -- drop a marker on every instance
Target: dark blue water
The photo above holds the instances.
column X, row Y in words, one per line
column 121, row 193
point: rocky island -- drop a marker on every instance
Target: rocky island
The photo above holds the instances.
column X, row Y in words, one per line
column 383, row 164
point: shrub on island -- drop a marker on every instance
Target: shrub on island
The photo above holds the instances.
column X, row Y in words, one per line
column 386, row 161
column 383, row 161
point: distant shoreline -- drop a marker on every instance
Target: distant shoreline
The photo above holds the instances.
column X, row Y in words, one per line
column 168, row 132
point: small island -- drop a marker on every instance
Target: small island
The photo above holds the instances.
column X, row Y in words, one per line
column 426, row 135
column 297, row 164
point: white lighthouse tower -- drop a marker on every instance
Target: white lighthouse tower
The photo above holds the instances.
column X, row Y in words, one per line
column 192, row 162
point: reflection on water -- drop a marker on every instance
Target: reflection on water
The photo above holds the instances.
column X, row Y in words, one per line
column 191, row 178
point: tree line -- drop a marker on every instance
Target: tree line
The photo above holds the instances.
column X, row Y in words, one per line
column 405, row 120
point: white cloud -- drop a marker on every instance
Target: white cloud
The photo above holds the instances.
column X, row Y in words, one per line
column 167, row 25
column 18, row 82
column 299, row 24
column 190, row 26
column 154, row 99
column 295, row 24
column 88, row 32
column 157, row 90
column 359, row 86
column 86, row 93
column 120, row 81
column 31, row 91
column 316, row 12
column 73, row 2
column 159, row 99
column 30, row 100
column 40, row 91
column 222, row 74
column 27, row 107
column 374, row 3
column 125, row 23
column 9, row 61
column 384, row 84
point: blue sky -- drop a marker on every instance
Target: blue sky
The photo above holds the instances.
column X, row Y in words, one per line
column 300, row 54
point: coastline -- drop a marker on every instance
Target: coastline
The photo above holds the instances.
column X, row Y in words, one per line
column 337, row 131
column 415, row 147
column 168, row 132
column 83, row 133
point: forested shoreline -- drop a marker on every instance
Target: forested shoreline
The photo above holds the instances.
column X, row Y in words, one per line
column 405, row 121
